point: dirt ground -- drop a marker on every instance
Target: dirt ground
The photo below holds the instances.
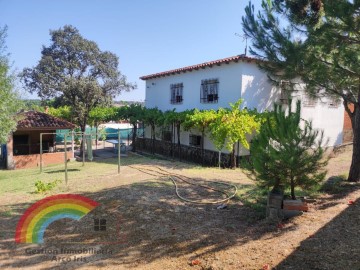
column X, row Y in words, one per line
column 148, row 227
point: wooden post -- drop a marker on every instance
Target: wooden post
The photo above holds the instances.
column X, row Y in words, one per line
column 119, row 154
column 41, row 150
column 65, row 154
column 219, row 159
column 72, row 143
column 83, row 157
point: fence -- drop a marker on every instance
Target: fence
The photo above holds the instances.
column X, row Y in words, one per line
column 184, row 152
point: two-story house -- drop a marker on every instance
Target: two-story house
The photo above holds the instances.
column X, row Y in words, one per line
column 215, row 84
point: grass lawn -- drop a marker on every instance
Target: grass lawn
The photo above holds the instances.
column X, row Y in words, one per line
column 23, row 181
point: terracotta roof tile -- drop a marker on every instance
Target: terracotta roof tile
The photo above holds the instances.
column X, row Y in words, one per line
column 227, row 60
column 36, row 120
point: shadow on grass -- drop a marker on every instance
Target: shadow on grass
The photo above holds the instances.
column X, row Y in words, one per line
column 62, row 171
column 334, row 246
column 154, row 224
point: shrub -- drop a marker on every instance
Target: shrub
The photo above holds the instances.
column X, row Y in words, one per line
column 42, row 187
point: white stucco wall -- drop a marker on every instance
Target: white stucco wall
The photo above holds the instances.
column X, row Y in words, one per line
column 326, row 118
column 238, row 80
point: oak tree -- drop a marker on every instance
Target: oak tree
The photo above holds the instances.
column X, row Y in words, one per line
column 75, row 70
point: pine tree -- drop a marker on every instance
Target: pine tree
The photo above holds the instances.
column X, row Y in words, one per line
column 285, row 155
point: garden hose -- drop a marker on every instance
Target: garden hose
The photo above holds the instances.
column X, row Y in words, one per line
column 172, row 176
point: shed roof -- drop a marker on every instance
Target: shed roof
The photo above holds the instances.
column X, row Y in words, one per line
column 34, row 120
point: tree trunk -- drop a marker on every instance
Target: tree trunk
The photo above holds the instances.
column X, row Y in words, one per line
column 233, row 158
column 202, row 147
column 153, row 139
column 277, row 188
column 238, row 153
column 134, row 137
column 354, row 172
column 292, row 186
column 219, row 159
column 82, row 128
column 178, row 139
column 96, row 135
column 172, row 140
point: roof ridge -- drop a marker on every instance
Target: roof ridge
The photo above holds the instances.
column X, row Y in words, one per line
column 43, row 120
column 226, row 60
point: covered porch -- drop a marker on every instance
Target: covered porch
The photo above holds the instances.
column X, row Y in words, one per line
column 36, row 133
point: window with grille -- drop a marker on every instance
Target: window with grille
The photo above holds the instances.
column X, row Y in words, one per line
column 176, row 93
column 308, row 101
column 209, row 92
column 195, row 140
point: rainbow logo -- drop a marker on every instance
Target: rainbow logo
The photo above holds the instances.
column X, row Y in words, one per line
column 33, row 223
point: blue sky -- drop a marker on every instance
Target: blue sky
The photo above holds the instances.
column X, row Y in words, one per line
column 147, row 36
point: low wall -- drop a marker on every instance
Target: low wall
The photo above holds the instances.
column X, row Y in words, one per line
column 31, row 161
column 184, row 152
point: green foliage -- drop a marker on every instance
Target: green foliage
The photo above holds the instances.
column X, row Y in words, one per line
column 199, row 120
column 232, row 125
column 153, row 117
column 10, row 103
column 63, row 112
column 132, row 113
column 225, row 126
column 169, row 117
column 42, row 187
column 102, row 133
column 100, row 115
column 75, row 70
column 176, row 119
column 286, row 155
column 33, row 104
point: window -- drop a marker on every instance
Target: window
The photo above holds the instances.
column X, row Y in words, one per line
column 284, row 97
column 99, row 224
column 209, row 92
column 166, row 135
column 21, row 145
column 195, row 140
column 333, row 103
column 285, row 88
column 176, row 93
column 308, row 101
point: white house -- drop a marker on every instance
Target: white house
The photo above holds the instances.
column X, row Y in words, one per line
column 215, row 84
